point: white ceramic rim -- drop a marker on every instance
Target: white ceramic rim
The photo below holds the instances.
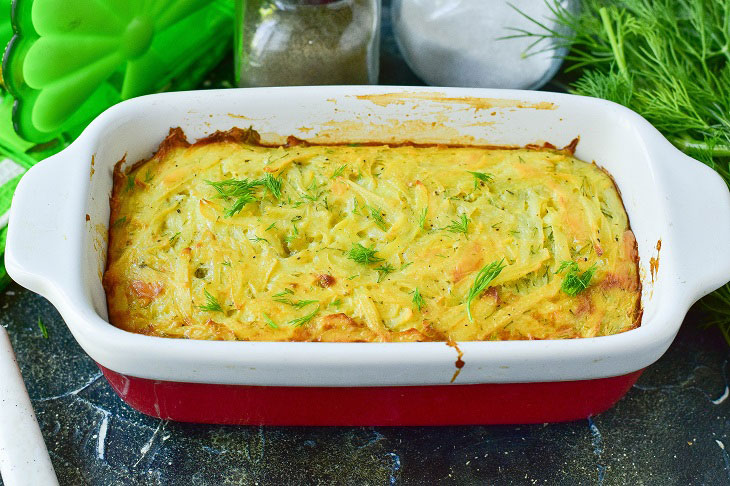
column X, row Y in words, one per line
column 46, row 253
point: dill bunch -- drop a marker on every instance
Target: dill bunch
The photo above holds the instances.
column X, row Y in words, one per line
column 668, row 60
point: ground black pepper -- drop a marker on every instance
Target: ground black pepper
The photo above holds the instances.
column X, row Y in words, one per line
column 307, row 42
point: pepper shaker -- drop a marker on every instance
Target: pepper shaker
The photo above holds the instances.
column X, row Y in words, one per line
column 306, row 42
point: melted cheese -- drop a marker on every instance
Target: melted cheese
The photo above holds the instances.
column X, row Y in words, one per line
column 280, row 269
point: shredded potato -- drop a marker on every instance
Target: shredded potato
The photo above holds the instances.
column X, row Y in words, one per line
column 231, row 239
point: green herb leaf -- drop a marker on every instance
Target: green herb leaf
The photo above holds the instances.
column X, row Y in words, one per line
column 336, row 303
column 43, row 329
column 384, row 270
column 130, row 182
column 422, row 218
column 362, row 255
column 460, row 225
column 480, row 177
column 338, row 172
column 174, row 237
column 270, row 323
column 417, row 299
column 377, row 216
column 574, row 281
column 304, row 319
column 272, row 225
column 238, row 189
column 257, row 239
column 212, row 304
column 481, row 283
column 119, row 222
column 284, row 292
column 273, row 185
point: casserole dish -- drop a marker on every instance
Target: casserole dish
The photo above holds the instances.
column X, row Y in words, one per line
column 678, row 209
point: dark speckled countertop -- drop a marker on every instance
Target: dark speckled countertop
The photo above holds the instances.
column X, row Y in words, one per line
column 673, row 427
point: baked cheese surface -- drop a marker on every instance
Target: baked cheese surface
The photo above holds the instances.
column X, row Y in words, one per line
column 230, row 239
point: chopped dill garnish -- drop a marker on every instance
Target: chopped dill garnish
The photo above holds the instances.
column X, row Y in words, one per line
column 405, row 265
column 43, row 329
column 257, row 239
column 272, row 225
column 238, row 189
column 481, row 282
column 480, row 177
column 354, row 206
column 304, row 319
column 227, row 264
column 417, row 299
column 336, row 303
column 119, row 222
column 212, row 304
column 297, row 204
column 300, row 304
column 270, row 323
column 459, row 225
column 422, row 218
column 362, row 255
column 378, row 218
column 174, row 237
column 384, row 270
column 284, row 292
column 575, row 282
column 130, row 182
column 338, row 172
column 148, row 177
column 352, row 277
column 273, row 185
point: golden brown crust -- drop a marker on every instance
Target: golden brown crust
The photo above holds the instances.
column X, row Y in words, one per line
column 153, row 273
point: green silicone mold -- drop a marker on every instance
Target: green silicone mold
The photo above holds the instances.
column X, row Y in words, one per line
column 71, row 59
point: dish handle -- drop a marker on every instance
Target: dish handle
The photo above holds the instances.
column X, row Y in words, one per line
column 699, row 217
column 42, row 252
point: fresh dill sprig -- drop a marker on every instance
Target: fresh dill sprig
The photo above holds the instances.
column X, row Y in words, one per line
column 574, row 281
column 273, row 185
column 304, row 319
column 418, row 299
column 238, row 189
column 405, row 265
column 148, row 177
column 481, row 282
column 270, row 322
column 383, row 270
column 667, row 60
column 130, row 182
column 119, row 222
column 377, row 216
column 460, row 225
column 256, row 239
column 336, row 303
column 300, row 304
column 422, row 218
column 212, row 304
column 480, row 177
column 272, row 225
column 174, row 237
column 363, row 255
column 42, row 327
column 338, row 172
column 284, row 292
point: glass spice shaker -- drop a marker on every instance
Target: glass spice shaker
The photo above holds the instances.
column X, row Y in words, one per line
column 306, row 42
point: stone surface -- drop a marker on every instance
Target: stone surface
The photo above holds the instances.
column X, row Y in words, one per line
column 673, row 427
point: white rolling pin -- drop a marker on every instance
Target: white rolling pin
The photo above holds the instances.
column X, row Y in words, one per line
column 23, row 455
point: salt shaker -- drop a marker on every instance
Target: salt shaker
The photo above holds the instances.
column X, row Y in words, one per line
column 307, row 42
column 460, row 42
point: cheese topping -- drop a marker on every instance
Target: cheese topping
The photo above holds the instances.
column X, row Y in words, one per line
column 230, row 239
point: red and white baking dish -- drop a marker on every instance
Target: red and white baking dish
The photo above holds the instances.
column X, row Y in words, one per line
column 56, row 246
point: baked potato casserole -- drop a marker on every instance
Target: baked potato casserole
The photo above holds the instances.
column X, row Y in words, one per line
column 228, row 238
